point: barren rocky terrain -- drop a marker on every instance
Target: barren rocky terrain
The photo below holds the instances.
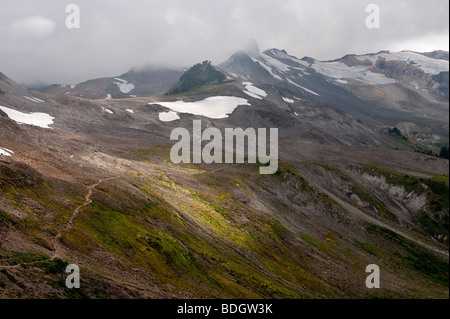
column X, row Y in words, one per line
column 97, row 188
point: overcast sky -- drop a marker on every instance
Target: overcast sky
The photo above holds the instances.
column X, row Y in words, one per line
column 115, row 35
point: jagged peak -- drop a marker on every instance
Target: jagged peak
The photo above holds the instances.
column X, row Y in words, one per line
column 277, row 53
column 277, row 50
column 308, row 59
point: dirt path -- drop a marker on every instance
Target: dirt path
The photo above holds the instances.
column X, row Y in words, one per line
column 88, row 199
column 57, row 247
column 57, row 253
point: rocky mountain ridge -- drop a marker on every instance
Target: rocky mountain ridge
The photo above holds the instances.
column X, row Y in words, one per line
column 90, row 182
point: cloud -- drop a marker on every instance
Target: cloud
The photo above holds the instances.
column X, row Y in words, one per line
column 35, row 26
column 117, row 35
column 176, row 16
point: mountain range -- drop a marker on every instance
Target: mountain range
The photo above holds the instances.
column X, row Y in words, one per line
column 86, row 178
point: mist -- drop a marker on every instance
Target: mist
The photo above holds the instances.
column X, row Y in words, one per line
column 36, row 47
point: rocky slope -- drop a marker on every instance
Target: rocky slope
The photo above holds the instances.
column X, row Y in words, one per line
column 90, row 182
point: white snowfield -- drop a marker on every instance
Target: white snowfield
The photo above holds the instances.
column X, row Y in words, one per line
column 287, row 100
column 252, row 95
column 37, row 119
column 428, row 65
column 129, row 111
column 5, row 152
column 108, row 97
column 215, row 107
column 271, row 64
column 124, row 86
column 339, row 70
column 275, row 63
column 109, row 111
column 253, row 91
column 168, row 116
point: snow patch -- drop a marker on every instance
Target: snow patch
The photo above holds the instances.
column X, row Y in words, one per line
column 168, row 116
column 287, row 100
column 215, row 107
column 129, row 111
column 34, row 99
column 303, row 88
column 6, row 152
column 268, row 68
column 310, row 91
column 253, row 91
column 339, row 70
column 38, row 119
column 124, row 86
column 108, row 97
column 252, row 95
column 341, row 81
column 109, row 111
column 427, row 64
column 275, row 63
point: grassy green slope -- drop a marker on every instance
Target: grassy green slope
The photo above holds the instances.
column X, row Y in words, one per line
column 162, row 231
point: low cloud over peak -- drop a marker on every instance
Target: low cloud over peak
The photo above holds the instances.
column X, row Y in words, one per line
column 116, row 35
